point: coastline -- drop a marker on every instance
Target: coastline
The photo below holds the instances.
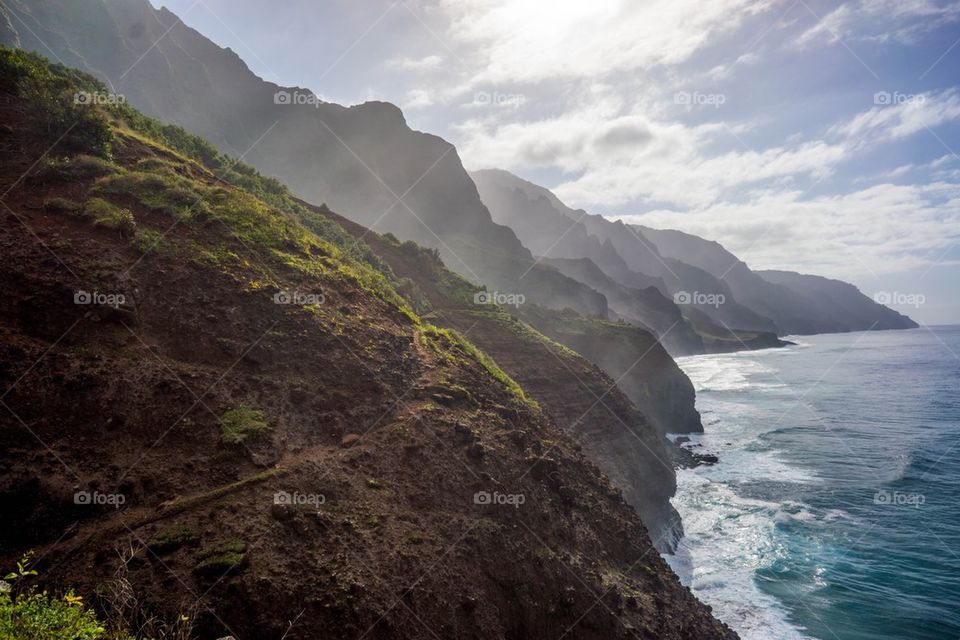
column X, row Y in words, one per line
column 732, row 539
column 785, row 537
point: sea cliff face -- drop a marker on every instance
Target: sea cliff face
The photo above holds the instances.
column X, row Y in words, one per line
column 355, row 159
column 617, row 434
column 635, row 359
column 206, row 367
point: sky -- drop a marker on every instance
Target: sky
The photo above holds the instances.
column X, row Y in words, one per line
column 821, row 137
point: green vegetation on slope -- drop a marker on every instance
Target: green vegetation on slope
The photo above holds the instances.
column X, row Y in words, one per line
column 241, row 423
column 450, row 345
column 190, row 180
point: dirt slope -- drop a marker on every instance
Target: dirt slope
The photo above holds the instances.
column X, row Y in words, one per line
column 421, row 493
column 579, row 396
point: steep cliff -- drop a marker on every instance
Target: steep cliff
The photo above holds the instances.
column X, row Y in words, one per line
column 634, row 358
column 217, row 405
column 622, row 440
column 647, row 308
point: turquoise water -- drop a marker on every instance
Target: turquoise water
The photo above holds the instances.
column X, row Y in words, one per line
column 834, row 511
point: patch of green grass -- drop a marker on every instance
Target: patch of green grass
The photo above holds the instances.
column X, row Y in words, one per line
column 427, row 260
column 147, row 240
column 221, row 558
column 26, row 614
column 79, row 167
column 161, row 191
column 157, row 164
column 456, row 289
column 63, row 205
column 446, row 342
column 106, row 214
column 49, row 91
column 240, row 423
column 172, row 538
column 40, row 616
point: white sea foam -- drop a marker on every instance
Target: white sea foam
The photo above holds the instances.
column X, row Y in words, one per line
column 728, row 536
column 728, row 373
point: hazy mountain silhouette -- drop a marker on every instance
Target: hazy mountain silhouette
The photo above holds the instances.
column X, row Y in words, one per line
column 843, row 306
column 363, row 160
column 684, row 267
column 796, row 303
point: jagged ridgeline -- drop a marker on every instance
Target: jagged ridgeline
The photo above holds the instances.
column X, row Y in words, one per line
column 224, row 414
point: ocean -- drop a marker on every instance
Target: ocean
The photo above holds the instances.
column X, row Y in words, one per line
column 834, row 510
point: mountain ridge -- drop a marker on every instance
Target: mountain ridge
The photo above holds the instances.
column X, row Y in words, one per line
column 683, row 265
column 362, row 159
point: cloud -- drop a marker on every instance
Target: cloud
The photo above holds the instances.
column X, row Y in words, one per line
column 879, row 21
column 883, row 229
column 702, row 178
column 429, row 63
column 515, row 41
column 722, row 71
column 632, row 158
column 601, row 119
column 908, row 115
column 419, row 98
column 833, row 27
column 614, row 158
